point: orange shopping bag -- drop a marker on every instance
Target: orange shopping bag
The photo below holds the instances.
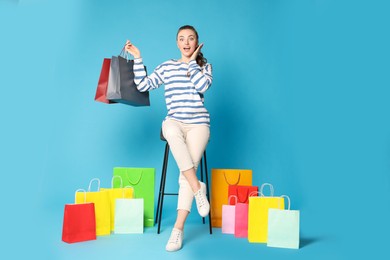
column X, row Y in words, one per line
column 220, row 181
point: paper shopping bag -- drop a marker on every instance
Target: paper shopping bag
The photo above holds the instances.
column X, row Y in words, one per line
column 142, row 179
column 241, row 192
column 258, row 214
column 102, row 207
column 101, row 90
column 228, row 216
column 121, row 86
column 116, row 193
column 220, row 181
column 241, row 220
column 283, row 227
column 79, row 222
column 129, row 215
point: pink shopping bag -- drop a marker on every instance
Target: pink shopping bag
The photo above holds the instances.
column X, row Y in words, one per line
column 228, row 216
column 241, row 220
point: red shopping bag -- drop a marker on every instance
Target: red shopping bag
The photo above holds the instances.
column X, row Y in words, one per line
column 241, row 192
column 101, row 90
column 79, row 222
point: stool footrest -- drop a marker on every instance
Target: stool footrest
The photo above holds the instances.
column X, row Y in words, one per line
column 171, row 194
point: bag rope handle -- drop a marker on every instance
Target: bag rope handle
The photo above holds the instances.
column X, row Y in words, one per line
column 112, row 181
column 255, row 193
column 90, row 183
column 232, row 196
column 136, row 183
column 124, row 53
column 271, row 188
column 246, row 196
column 288, row 199
column 239, row 177
column 85, row 195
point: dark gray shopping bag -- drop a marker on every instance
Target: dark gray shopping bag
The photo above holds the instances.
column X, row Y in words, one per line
column 121, row 87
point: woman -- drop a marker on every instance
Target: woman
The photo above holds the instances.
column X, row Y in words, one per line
column 187, row 125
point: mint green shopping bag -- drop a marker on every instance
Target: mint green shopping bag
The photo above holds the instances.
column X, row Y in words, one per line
column 129, row 215
column 283, row 227
column 142, row 180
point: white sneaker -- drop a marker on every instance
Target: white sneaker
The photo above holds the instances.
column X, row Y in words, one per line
column 201, row 201
column 175, row 240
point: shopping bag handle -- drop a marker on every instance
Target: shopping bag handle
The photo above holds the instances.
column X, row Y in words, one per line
column 124, row 53
column 90, row 184
column 85, row 195
column 255, row 193
column 245, row 196
column 288, row 200
column 239, row 177
column 128, row 187
column 232, row 196
column 112, row 181
column 136, row 183
column 271, row 188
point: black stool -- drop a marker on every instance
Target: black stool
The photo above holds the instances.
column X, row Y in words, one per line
column 162, row 192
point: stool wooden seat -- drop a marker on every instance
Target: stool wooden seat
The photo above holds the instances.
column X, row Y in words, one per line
column 162, row 193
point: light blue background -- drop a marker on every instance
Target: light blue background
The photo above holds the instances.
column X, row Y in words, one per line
column 300, row 96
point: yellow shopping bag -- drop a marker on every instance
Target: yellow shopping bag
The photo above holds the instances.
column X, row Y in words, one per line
column 102, row 207
column 258, row 214
column 117, row 193
column 220, row 181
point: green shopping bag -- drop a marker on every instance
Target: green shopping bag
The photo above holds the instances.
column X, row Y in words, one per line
column 129, row 215
column 142, row 179
column 283, row 227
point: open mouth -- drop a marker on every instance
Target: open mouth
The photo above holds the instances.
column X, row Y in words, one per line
column 186, row 48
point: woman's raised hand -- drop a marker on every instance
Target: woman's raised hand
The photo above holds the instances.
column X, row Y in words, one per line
column 196, row 52
column 130, row 48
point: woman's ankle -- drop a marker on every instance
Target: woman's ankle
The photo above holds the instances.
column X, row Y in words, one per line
column 179, row 226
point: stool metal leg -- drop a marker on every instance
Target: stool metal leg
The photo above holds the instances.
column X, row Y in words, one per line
column 208, row 191
column 164, row 169
column 201, row 179
column 162, row 188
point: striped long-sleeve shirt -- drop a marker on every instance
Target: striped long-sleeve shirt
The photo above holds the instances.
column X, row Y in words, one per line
column 184, row 84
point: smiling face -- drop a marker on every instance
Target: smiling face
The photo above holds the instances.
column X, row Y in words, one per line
column 187, row 42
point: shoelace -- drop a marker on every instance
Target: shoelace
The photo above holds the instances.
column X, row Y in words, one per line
column 200, row 198
column 174, row 237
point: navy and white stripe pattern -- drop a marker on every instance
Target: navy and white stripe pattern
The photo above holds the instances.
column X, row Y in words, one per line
column 184, row 87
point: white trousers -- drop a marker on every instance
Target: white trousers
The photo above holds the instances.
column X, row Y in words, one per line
column 187, row 143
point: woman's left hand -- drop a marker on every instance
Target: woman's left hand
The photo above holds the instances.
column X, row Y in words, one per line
column 196, row 52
